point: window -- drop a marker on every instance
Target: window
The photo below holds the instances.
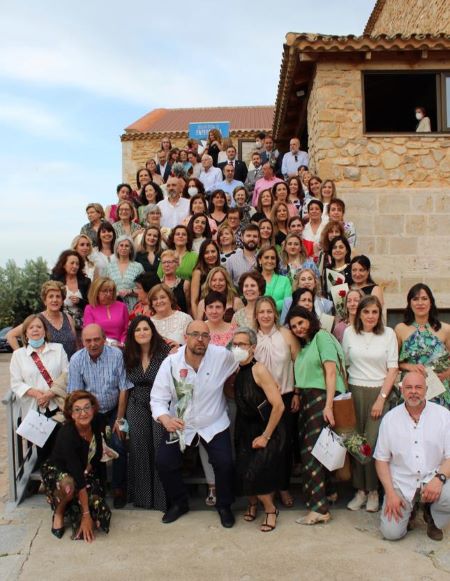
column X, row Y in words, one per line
column 391, row 97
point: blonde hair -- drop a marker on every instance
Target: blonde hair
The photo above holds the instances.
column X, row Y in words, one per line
column 95, row 288
column 52, row 285
column 74, row 245
column 230, row 292
column 259, row 302
column 296, row 284
column 97, row 207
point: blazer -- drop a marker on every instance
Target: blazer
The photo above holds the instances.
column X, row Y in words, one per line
column 167, row 171
column 240, row 170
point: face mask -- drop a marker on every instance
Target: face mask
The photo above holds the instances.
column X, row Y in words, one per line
column 419, row 116
column 192, row 191
column 258, row 144
column 36, row 343
column 239, row 354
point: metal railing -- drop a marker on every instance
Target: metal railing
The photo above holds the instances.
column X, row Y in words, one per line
column 21, row 453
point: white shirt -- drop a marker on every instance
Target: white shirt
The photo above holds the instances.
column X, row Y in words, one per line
column 211, row 178
column 172, row 215
column 289, row 165
column 26, row 375
column 206, row 415
column 414, row 451
column 369, row 357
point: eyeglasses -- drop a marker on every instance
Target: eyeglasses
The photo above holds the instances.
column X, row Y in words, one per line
column 241, row 344
column 203, row 336
column 85, row 410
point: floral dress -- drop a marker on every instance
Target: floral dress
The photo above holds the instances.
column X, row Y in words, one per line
column 425, row 348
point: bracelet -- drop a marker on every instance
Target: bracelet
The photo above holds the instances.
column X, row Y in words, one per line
column 87, row 512
column 266, row 437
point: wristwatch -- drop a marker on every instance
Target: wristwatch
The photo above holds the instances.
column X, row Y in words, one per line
column 442, row 477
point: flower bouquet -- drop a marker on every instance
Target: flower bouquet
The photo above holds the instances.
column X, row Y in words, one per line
column 183, row 389
column 338, row 294
column 358, row 447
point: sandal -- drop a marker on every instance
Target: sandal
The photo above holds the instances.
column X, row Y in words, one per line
column 286, row 498
column 314, row 518
column 252, row 511
column 332, row 498
column 210, row 500
column 265, row 526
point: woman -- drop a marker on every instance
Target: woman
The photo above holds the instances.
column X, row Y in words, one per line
column 329, row 233
column 199, row 205
column 293, row 257
column 260, row 435
column 199, row 229
column 241, row 198
column 277, row 348
column 83, row 245
column 303, row 297
column 226, row 242
column 264, row 206
column 218, row 207
column 143, row 177
column 423, row 122
column 296, row 194
column 308, row 278
column 361, row 278
column 251, row 286
column 181, row 242
column 72, row 473
column 124, row 192
column 280, row 193
column 60, row 326
column 214, row 145
column 318, row 375
column 151, row 194
column 208, row 258
column 312, row 187
column 295, row 225
column 105, row 310
column 151, row 166
column 125, row 225
column 266, row 233
column 169, row 322
column 143, row 284
column 326, row 195
column 219, row 280
column 221, row 331
column 144, row 352
column 104, row 252
column 180, row 288
column 187, row 165
column 279, row 218
column 33, row 368
column 371, row 352
column 195, row 188
column 69, row 270
column 313, row 229
column 124, row 270
column 96, row 215
column 424, row 340
column 339, row 271
column 150, row 249
column 277, row 286
column 351, row 303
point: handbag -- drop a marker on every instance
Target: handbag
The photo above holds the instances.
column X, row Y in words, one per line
column 264, row 410
column 36, row 428
column 329, row 450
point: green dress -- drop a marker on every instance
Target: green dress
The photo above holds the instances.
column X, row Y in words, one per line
column 279, row 288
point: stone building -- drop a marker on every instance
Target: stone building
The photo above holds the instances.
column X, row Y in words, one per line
column 142, row 138
column 352, row 99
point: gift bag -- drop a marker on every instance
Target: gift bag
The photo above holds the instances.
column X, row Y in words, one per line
column 344, row 413
column 36, row 428
column 329, row 450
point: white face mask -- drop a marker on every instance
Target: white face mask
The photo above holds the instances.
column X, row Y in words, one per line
column 192, row 191
column 258, row 144
column 419, row 116
column 239, row 354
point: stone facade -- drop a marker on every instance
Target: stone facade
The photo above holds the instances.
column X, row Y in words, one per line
column 413, row 17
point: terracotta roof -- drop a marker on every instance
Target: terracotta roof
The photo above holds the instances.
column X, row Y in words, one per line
column 168, row 121
column 378, row 8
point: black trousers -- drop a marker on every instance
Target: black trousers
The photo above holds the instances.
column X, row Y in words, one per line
column 169, row 460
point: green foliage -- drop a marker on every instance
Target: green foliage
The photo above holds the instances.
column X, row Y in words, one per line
column 20, row 290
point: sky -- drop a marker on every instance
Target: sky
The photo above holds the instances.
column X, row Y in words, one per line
column 73, row 76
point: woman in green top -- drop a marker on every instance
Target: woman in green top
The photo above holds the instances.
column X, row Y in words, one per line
column 180, row 240
column 317, row 378
column 277, row 286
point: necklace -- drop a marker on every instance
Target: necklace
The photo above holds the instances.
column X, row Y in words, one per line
column 367, row 340
column 86, row 435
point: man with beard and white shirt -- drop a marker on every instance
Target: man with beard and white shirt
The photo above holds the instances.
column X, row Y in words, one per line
column 174, row 209
column 244, row 259
column 293, row 159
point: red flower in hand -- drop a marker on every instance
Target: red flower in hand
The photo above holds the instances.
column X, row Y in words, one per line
column 342, row 293
column 366, row 450
column 183, row 373
column 339, row 280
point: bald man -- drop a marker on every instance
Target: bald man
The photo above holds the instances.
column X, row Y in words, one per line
column 190, row 383
column 99, row 369
column 413, row 462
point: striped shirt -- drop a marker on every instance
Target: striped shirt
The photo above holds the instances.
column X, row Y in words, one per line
column 104, row 377
column 238, row 264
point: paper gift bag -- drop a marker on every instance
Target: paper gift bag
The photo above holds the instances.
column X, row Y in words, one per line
column 329, row 450
column 36, row 428
column 344, row 413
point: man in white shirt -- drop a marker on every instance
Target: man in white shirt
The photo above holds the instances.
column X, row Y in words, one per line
column 174, row 209
column 293, row 159
column 210, row 176
column 193, row 379
column 413, row 462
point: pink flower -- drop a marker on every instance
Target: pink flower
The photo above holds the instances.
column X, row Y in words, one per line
column 342, row 293
column 365, row 450
column 183, row 373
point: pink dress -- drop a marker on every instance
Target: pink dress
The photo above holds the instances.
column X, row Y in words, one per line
column 112, row 319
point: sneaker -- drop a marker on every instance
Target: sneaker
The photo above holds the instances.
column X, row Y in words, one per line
column 358, row 501
column 373, row 502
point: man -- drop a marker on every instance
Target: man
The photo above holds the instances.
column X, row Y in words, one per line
column 266, row 182
column 99, row 369
column 234, row 221
column 163, row 168
column 229, row 183
column 268, row 153
column 413, row 462
column 244, row 259
column 174, row 209
column 202, row 369
column 254, row 174
column 240, row 167
column 336, row 212
column 293, row 159
column 210, row 176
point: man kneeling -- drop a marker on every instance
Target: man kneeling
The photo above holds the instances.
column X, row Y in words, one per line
column 413, row 462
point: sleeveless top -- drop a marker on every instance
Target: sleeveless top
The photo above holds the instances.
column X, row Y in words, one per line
column 273, row 351
column 64, row 336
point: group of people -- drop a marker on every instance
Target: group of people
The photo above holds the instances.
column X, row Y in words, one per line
column 200, row 310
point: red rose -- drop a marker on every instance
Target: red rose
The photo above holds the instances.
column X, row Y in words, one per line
column 366, row 450
column 342, row 293
column 339, row 280
column 183, row 373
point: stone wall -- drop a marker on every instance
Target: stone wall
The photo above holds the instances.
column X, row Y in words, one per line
column 413, row 17
column 340, row 150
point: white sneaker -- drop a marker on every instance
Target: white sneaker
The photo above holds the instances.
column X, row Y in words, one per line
column 373, row 503
column 358, row 501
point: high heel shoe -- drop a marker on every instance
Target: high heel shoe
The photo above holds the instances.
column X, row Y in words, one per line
column 252, row 511
column 58, row 533
column 265, row 526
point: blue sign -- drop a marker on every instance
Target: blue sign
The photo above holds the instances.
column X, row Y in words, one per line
column 200, row 130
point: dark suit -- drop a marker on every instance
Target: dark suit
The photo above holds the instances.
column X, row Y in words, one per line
column 240, row 170
column 167, row 171
column 278, row 159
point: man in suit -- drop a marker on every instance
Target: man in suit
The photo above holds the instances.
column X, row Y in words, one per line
column 240, row 167
column 163, row 168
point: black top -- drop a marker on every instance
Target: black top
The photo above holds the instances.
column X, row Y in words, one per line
column 70, row 452
column 142, row 258
column 84, row 283
column 213, row 151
